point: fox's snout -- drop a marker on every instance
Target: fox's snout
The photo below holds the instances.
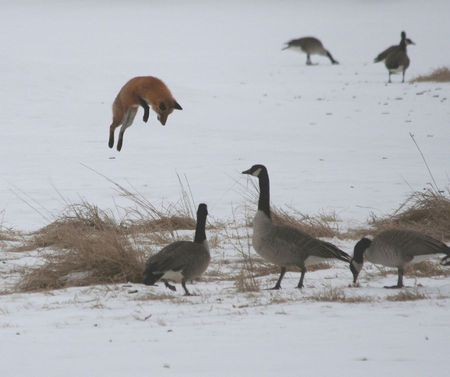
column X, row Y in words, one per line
column 163, row 119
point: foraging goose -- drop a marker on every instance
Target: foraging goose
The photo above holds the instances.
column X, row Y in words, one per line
column 310, row 46
column 396, row 248
column 398, row 61
column 283, row 245
column 181, row 260
column 382, row 55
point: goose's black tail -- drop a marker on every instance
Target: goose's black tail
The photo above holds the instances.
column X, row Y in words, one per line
column 338, row 253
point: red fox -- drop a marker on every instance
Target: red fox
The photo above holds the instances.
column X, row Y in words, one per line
column 140, row 91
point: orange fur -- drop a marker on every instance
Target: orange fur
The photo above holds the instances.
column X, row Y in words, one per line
column 145, row 91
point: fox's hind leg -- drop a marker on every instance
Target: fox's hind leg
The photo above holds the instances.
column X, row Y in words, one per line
column 112, row 128
column 127, row 122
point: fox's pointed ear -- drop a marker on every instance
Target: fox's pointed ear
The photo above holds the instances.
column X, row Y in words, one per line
column 177, row 106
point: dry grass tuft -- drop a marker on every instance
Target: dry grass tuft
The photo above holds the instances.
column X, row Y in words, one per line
column 427, row 212
column 165, row 223
column 76, row 219
column 427, row 269
column 149, row 296
column 441, row 74
column 7, row 234
column 321, row 225
column 91, row 257
column 408, row 295
column 245, row 281
column 338, row 295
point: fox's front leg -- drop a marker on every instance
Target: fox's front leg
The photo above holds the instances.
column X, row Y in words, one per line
column 146, row 109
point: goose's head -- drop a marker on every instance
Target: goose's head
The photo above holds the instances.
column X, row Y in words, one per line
column 255, row 170
column 409, row 41
column 403, row 35
column 202, row 210
column 358, row 257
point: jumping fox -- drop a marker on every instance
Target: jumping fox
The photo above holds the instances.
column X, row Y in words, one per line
column 140, row 91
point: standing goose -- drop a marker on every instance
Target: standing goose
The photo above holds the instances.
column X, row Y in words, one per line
column 310, row 46
column 382, row 55
column 398, row 61
column 181, row 260
column 396, row 248
column 283, row 245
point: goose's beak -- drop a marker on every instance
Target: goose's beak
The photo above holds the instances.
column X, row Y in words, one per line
column 246, row 171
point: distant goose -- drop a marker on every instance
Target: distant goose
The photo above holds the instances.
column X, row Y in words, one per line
column 181, row 260
column 382, row 55
column 283, row 245
column 396, row 248
column 398, row 61
column 310, row 46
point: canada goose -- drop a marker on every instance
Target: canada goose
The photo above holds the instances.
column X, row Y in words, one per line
column 181, row 260
column 396, row 248
column 398, row 61
column 382, row 55
column 310, row 46
column 283, row 245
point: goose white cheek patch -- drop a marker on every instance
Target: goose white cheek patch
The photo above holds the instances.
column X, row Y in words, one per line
column 256, row 172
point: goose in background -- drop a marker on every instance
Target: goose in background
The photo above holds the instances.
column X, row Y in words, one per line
column 310, row 46
column 398, row 61
column 181, row 260
column 396, row 248
column 383, row 55
column 283, row 245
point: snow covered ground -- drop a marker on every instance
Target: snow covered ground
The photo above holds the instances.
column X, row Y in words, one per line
column 334, row 138
column 114, row 330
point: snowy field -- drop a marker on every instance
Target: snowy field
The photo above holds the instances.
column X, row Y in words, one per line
column 334, row 138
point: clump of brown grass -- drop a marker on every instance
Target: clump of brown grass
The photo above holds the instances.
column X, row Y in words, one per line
column 427, row 269
column 441, row 74
column 245, row 282
column 76, row 219
column 94, row 256
column 321, row 225
column 408, row 295
column 7, row 234
column 427, row 212
column 332, row 294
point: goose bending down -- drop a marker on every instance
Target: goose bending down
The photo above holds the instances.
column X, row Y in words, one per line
column 181, row 260
column 383, row 55
column 396, row 248
column 283, row 245
column 398, row 61
column 310, row 46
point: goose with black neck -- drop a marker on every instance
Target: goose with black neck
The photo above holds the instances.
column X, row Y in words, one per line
column 181, row 260
column 283, row 245
column 396, row 248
